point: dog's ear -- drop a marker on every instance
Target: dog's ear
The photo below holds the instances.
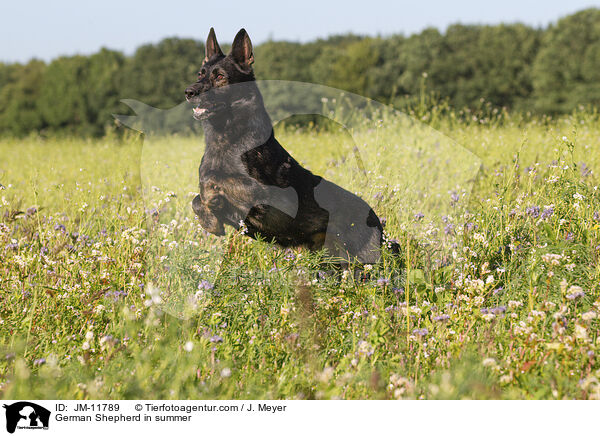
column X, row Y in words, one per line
column 241, row 50
column 212, row 46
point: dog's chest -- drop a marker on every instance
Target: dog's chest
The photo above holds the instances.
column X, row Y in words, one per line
column 223, row 174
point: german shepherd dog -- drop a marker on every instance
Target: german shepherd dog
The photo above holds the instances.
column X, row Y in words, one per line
column 248, row 179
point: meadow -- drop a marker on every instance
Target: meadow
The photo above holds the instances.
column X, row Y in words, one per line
column 109, row 288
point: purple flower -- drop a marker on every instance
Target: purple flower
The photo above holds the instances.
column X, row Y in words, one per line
column 398, row 291
column 205, row 285
column 570, row 236
column 576, row 295
column 533, row 211
column 449, row 228
column 441, row 318
column 548, row 212
column 419, row 216
column 420, row 332
column 216, row 338
column 39, row 362
column 60, row 227
column 382, row 281
column 454, row 197
column 597, row 216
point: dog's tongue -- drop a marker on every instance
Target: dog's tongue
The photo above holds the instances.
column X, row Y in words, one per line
column 199, row 110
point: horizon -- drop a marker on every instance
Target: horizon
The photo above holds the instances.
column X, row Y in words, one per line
column 87, row 23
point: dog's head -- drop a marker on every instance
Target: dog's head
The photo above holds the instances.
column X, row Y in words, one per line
column 212, row 94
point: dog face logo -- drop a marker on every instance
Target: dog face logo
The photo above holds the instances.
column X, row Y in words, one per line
column 26, row 415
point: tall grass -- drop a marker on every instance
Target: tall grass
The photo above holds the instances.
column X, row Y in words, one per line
column 110, row 288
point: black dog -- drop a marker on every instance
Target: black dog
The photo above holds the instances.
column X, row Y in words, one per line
column 247, row 177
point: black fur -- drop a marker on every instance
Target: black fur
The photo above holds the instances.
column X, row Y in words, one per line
column 246, row 175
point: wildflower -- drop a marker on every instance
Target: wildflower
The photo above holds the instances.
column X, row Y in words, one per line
column 488, row 361
column 506, row 378
column 488, row 316
column 533, row 211
column 552, row 259
column 419, row 216
column 382, row 281
column 205, row 285
column 365, row 349
column 548, row 212
column 441, row 318
column 216, row 339
column 189, row 346
column 85, row 346
column 494, row 310
column 326, row 374
column 89, row 336
column 449, row 228
column 587, row 316
column 421, row 332
column 575, row 292
column 580, row 332
column 225, row 372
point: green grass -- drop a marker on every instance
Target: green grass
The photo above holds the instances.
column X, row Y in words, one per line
column 110, row 289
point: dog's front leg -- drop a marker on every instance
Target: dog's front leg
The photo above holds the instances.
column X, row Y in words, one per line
column 208, row 220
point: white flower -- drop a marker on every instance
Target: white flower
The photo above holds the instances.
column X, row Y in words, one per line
column 587, row 316
column 189, row 346
column 580, row 332
column 89, row 336
column 85, row 346
column 488, row 361
column 552, row 259
column 225, row 372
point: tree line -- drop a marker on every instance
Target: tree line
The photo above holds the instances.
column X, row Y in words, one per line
column 551, row 70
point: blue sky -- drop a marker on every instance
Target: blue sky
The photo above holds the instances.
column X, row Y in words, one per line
column 46, row 29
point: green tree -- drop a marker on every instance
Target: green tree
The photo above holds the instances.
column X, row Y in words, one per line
column 567, row 68
column 19, row 93
column 62, row 101
column 158, row 74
